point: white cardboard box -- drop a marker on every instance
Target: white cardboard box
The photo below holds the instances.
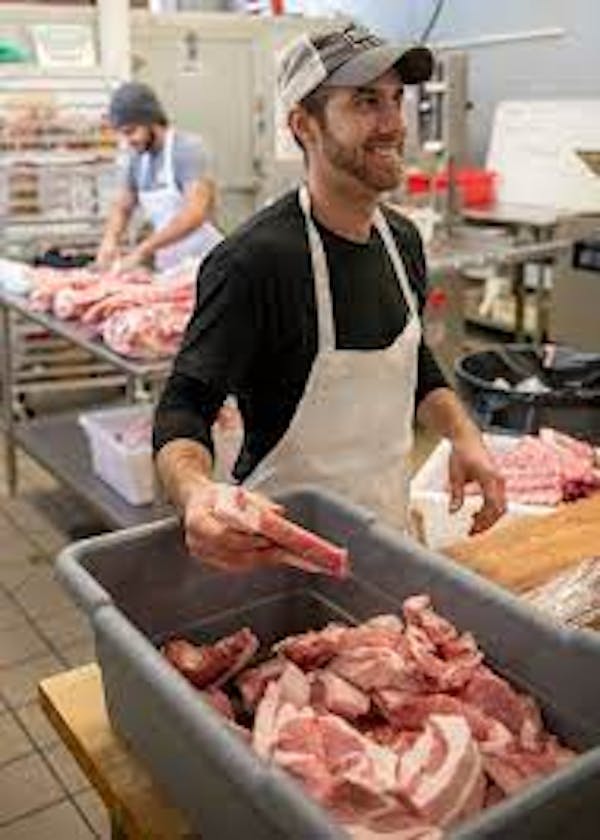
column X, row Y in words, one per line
column 429, row 497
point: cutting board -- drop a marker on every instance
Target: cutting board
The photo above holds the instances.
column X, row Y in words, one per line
column 526, row 552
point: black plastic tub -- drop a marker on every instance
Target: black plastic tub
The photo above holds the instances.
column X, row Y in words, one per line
column 572, row 405
column 139, row 586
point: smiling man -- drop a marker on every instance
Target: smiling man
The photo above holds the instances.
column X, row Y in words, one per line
column 310, row 314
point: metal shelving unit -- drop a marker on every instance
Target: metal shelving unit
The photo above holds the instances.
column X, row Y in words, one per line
column 58, row 168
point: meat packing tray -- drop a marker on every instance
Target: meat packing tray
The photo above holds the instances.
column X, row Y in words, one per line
column 139, row 586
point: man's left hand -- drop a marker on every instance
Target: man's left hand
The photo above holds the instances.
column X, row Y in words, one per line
column 471, row 461
column 133, row 260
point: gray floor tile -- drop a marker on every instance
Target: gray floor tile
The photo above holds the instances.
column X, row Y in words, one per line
column 96, row 813
column 15, row 546
column 80, row 653
column 60, row 822
column 37, row 725
column 41, row 594
column 25, row 516
column 14, row 743
column 66, row 768
column 18, row 684
column 20, row 643
column 14, row 574
column 11, row 614
column 65, row 627
column 25, row 785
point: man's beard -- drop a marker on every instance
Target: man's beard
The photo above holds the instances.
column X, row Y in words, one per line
column 363, row 165
column 150, row 143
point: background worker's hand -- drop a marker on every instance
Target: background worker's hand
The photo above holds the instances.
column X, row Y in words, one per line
column 108, row 254
column 209, row 539
column 470, row 460
column 133, row 260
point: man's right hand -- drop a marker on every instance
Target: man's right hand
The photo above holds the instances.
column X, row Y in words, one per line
column 108, row 253
column 221, row 545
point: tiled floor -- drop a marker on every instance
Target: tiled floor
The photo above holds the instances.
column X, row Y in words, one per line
column 43, row 794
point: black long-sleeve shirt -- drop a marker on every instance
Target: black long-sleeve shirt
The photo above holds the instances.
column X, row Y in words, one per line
column 254, row 329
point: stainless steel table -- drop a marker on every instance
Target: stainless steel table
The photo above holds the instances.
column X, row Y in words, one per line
column 475, row 247
column 56, row 440
column 527, row 223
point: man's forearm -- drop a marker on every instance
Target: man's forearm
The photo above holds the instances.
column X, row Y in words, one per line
column 183, row 465
column 116, row 224
column 442, row 412
column 181, row 225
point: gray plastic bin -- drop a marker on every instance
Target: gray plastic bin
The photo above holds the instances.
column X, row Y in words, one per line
column 138, row 587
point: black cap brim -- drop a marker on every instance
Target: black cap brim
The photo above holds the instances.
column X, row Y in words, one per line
column 414, row 66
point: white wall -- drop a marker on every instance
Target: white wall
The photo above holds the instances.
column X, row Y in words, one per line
column 567, row 67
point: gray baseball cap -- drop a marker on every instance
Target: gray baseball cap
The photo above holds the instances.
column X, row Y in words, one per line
column 347, row 55
column 134, row 103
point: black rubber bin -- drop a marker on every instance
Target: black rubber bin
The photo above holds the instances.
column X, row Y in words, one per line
column 571, row 404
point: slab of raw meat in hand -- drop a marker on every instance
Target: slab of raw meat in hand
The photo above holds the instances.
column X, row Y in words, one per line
column 304, row 549
column 212, row 665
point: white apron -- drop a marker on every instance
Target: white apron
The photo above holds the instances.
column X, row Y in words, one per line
column 352, row 431
column 163, row 203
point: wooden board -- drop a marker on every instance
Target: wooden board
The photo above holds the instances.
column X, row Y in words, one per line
column 74, row 703
column 526, row 552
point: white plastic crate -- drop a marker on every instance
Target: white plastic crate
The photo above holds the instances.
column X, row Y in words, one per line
column 127, row 469
column 429, row 497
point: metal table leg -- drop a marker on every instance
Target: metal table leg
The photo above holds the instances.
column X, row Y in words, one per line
column 518, row 272
column 8, row 419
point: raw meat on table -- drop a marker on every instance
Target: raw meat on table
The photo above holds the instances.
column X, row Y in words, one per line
column 137, row 314
column 548, row 469
column 147, row 332
column 397, row 728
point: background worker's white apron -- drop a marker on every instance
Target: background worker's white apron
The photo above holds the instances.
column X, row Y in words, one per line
column 353, row 427
column 162, row 204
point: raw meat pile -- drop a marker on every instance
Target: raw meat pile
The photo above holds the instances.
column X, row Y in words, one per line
column 300, row 548
column 136, row 314
column 548, row 469
column 398, row 728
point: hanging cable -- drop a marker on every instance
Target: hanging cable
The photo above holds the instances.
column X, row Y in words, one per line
column 432, row 21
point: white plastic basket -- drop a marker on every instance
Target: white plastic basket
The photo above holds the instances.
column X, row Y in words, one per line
column 127, row 469
column 429, row 497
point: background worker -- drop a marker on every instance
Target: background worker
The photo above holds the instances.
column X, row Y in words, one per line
column 167, row 173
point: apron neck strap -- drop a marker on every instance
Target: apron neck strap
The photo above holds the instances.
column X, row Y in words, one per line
column 325, row 322
column 168, row 167
column 383, row 229
column 168, row 162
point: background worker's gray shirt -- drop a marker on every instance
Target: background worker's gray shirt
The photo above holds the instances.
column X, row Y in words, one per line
column 191, row 161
